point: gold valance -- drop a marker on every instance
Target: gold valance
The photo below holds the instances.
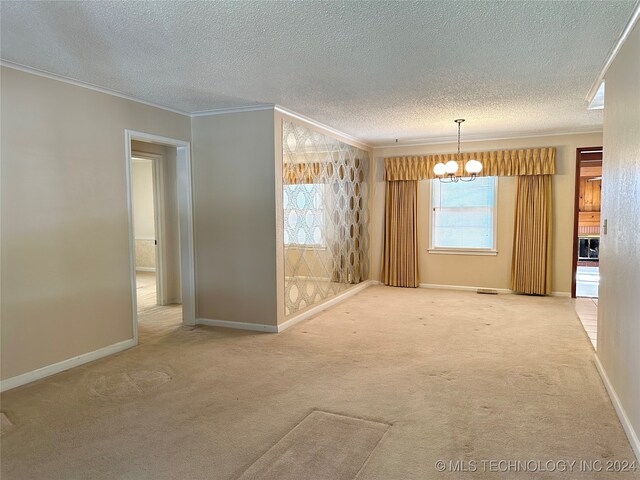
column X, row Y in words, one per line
column 301, row 173
column 499, row 163
column 322, row 172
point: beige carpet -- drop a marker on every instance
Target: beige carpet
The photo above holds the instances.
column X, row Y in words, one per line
column 456, row 375
column 333, row 447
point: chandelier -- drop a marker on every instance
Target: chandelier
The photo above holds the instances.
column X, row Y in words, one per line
column 446, row 172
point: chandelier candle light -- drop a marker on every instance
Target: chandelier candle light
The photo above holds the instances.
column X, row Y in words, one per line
column 447, row 172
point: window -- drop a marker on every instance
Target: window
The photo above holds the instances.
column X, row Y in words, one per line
column 303, row 215
column 463, row 216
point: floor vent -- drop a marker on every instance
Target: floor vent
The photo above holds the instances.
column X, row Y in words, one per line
column 487, row 291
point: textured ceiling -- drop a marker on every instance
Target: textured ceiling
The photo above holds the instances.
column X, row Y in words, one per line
column 375, row 70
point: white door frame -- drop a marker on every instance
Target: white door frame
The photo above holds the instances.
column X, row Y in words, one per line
column 157, row 176
column 185, row 214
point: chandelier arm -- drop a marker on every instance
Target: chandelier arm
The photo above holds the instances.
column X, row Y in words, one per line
column 445, row 180
column 440, row 169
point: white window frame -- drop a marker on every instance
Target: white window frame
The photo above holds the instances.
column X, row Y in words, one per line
column 310, row 246
column 463, row 250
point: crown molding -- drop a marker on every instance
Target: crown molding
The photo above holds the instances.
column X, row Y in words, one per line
column 635, row 15
column 202, row 113
column 597, row 103
column 486, row 138
column 356, row 141
column 270, row 106
column 246, row 108
column 90, row 86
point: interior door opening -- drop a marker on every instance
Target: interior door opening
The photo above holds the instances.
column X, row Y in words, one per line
column 160, row 233
column 155, row 225
column 586, row 242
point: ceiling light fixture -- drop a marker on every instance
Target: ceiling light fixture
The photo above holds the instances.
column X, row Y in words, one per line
column 446, row 172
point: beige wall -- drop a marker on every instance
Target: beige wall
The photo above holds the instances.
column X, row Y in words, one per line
column 143, row 214
column 63, row 182
column 619, row 304
column 235, row 225
column 487, row 271
column 142, row 185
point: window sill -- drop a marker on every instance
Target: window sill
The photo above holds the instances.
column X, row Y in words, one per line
column 295, row 246
column 462, row 251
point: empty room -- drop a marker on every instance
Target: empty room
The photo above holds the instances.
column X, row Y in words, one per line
column 323, row 240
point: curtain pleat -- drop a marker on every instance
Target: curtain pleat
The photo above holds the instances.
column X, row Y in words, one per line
column 531, row 261
column 305, row 173
column 499, row 163
column 400, row 261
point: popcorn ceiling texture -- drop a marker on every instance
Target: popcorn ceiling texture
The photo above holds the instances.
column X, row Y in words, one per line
column 375, row 70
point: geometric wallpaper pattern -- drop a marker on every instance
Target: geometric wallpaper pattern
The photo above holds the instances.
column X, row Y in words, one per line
column 326, row 218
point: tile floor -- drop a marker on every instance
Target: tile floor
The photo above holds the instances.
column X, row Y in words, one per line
column 587, row 310
column 587, row 281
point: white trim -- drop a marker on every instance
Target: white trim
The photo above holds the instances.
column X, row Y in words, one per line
column 464, row 288
column 323, row 306
column 462, row 251
column 157, row 169
column 43, row 372
column 598, row 99
column 145, row 269
column 90, row 86
column 308, row 277
column 223, row 110
column 132, row 241
column 475, row 289
column 204, row 113
column 425, row 142
column 258, row 327
column 622, row 414
column 635, row 15
column 302, row 246
column 145, row 239
column 358, row 143
column 185, row 214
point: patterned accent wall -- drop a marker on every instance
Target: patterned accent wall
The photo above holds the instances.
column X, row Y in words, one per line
column 326, row 222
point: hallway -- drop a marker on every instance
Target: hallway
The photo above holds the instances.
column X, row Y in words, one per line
column 154, row 320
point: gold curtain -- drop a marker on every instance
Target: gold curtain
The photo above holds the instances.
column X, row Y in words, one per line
column 304, row 173
column 531, row 260
column 499, row 163
column 400, row 261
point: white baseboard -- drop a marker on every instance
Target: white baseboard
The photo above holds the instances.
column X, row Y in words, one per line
column 145, row 269
column 43, row 372
column 622, row 415
column 463, row 287
column 323, row 306
column 475, row 289
column 258, row 327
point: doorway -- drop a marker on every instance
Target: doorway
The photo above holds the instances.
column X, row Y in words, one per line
column 149, row 222
column 160, row 233
column 586, row 239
